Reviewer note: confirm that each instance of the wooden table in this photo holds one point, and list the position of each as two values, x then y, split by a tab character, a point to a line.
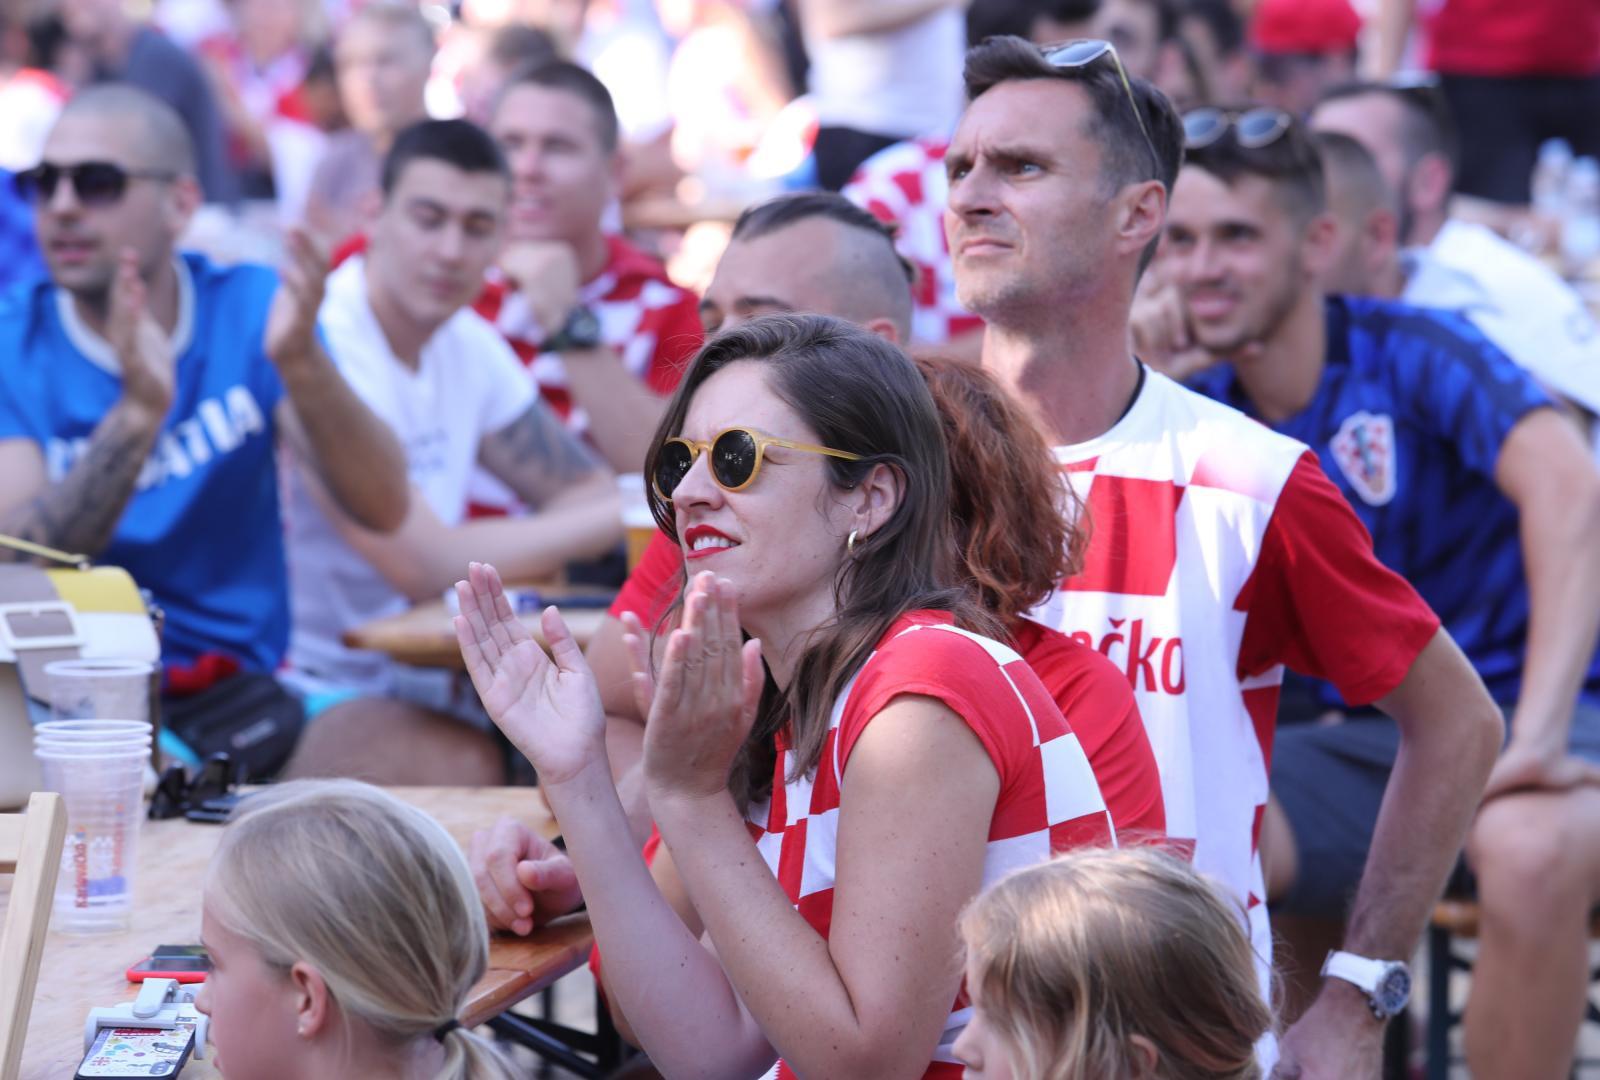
81	972
426	636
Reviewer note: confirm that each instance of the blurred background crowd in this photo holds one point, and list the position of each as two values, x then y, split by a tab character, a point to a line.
291	103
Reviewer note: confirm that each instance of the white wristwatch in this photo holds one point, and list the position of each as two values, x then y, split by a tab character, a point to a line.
1387	983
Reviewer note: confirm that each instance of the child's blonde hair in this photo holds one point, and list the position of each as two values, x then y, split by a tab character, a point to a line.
371	892
1071	958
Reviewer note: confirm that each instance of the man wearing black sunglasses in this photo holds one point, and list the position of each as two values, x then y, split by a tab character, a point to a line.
143	393
1217	545
1483	495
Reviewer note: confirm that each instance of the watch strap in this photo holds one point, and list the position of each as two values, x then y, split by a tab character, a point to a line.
567	338
1359	970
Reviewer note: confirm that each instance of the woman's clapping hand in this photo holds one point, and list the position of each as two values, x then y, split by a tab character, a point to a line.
548	706
706	698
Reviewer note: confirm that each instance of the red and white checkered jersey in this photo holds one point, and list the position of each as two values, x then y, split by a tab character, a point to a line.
1048	800
905	186
652	324
1220	552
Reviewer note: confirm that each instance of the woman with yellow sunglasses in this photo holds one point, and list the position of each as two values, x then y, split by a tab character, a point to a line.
839	752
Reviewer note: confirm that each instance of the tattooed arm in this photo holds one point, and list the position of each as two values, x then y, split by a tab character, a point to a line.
80	512
579	515
545	464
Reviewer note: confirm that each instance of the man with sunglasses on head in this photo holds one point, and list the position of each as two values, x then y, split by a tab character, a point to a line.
1538	319
1220	552
1479	492
143	394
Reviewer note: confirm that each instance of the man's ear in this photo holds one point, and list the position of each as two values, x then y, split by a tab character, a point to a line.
313	1005
1143	213
1428	187
886	329
368	207
1319	245
183	200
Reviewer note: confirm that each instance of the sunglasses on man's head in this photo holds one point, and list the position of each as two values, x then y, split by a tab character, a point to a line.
736	456
1252	128
94	183
1085	51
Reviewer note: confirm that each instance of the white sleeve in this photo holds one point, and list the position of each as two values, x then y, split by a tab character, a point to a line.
506	388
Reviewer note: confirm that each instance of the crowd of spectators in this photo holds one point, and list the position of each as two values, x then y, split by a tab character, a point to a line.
1220	375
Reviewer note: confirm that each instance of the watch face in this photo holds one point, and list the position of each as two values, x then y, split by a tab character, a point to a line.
1393	990
584	327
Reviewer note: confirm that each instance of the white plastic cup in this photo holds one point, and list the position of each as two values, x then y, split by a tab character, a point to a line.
99	689
98	766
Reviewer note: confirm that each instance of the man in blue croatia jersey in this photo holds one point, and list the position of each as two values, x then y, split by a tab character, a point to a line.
1477	490
142	394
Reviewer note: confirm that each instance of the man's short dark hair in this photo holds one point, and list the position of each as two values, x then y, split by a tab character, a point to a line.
518	45
162	136
995	18
1427	126
1357	170
575	80
1290	163
1227	29
459	143
1126	153
786	210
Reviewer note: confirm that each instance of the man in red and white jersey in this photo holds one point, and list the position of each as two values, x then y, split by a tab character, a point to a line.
603	331
1220	552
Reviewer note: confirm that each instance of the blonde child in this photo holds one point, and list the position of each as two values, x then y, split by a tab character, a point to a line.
345	930
1109	964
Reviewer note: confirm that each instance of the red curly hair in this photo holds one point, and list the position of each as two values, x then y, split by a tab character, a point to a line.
1019	528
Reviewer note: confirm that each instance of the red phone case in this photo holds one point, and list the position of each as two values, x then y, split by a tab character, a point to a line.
135	975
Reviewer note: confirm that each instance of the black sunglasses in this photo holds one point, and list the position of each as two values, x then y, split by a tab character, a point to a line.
94	183
1085	51
1253	128
736	456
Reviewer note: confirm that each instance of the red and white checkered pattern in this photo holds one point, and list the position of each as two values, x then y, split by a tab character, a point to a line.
1184	588
905	186
1048	800
652	324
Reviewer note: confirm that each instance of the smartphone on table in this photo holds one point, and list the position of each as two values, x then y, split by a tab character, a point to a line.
186	963
122	1053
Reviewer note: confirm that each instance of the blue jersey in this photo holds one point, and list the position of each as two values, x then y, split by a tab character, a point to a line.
1413	408
202	530
19	251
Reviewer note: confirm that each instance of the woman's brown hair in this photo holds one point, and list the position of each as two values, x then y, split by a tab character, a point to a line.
1072	958
860	394
1019	529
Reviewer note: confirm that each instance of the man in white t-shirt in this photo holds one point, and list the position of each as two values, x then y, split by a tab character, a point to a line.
1220	551
398	326
1532	314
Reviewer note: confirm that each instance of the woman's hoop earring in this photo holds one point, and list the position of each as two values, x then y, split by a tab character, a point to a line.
850	543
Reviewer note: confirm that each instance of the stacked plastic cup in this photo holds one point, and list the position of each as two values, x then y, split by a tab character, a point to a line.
98	766
99	689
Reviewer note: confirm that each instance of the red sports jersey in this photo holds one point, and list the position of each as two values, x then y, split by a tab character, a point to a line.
905	186
1048	801
652	324
1220	554
1090	691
